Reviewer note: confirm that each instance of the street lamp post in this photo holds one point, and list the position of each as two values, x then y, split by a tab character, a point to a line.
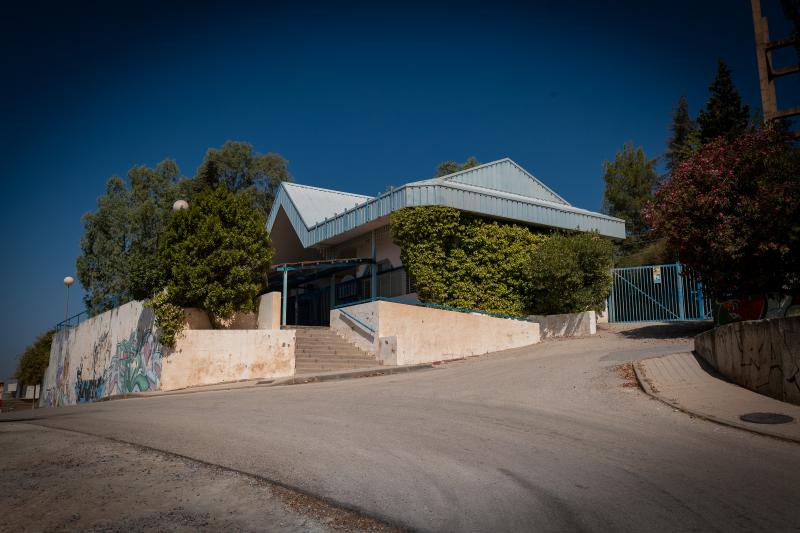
68	281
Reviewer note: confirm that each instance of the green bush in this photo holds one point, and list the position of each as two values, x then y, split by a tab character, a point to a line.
169	317
462	260
216	254
569	274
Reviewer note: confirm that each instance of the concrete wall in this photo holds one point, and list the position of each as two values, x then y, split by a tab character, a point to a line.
269	311
116	352
762	355
567	325
203	357
409	334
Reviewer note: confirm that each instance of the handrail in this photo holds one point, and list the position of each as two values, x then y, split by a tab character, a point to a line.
357	321
65	323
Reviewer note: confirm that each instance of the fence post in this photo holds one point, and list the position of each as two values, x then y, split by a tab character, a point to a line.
701	301
610	300
681	304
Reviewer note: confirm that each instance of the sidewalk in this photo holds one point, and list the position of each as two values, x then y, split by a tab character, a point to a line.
680	381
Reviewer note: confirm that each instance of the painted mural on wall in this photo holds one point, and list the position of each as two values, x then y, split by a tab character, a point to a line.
114	353
757	307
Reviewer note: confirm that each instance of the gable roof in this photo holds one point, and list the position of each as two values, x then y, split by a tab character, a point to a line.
499	189
503	175
315	204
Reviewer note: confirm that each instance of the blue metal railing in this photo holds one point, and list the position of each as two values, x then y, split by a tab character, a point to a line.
72	321
358	321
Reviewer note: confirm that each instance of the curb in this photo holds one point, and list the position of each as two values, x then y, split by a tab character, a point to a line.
319	378
292	380
641	377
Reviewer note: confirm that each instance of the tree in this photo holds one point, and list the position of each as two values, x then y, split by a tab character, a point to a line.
102	267
629	183
569	274
723	114
451	167
118	260
685	138
216	254
732	211
34	360
152	193
240	169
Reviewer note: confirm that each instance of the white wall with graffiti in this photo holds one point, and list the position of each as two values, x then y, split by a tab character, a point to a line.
114	353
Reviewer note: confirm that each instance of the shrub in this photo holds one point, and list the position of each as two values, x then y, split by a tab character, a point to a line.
216	254
569	274
732	211
169	317
462	260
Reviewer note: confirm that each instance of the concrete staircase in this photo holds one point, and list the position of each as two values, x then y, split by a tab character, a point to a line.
319	349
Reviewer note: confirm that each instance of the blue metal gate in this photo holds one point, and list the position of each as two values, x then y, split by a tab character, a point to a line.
657	293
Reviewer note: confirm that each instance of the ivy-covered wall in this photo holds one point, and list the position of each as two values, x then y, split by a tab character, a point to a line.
463	260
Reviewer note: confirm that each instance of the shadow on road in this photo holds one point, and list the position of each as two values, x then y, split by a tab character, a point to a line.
666	330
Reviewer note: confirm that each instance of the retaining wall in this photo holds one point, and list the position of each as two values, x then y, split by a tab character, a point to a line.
409	334
761	355
117	353
204	357
566	325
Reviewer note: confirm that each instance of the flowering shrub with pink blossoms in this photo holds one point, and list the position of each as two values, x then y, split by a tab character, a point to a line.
732	211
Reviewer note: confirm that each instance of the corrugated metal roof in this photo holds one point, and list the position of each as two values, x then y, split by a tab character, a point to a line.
502	175
500	189
315	204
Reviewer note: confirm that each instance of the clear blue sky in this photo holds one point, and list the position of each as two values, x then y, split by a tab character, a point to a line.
356	98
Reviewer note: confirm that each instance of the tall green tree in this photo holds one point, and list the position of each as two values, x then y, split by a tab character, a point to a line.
119	247
240	169
152	193
34	360
451	167
724	114
629	183
684	135
216	254
102	267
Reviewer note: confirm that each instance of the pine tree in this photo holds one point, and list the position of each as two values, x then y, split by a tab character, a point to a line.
630	180
724	113
685	138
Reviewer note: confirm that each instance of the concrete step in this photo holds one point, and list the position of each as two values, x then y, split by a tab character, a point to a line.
329	349
319	349
337	360
322	344
327	368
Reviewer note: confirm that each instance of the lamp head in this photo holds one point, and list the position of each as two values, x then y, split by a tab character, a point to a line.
180	205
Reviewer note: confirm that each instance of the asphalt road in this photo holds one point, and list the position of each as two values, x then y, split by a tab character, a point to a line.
545	438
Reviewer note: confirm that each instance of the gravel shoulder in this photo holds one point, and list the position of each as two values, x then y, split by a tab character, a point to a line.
56	480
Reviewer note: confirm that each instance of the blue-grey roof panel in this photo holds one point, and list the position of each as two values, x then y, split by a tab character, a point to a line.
497	194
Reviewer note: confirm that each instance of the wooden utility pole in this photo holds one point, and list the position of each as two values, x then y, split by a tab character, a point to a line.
766	72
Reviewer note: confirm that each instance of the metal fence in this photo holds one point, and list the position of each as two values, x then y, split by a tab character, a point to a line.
657	293
313	307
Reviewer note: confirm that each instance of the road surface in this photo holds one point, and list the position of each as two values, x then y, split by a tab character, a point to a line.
546	438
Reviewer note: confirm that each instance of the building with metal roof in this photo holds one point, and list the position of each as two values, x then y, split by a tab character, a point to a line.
316	229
